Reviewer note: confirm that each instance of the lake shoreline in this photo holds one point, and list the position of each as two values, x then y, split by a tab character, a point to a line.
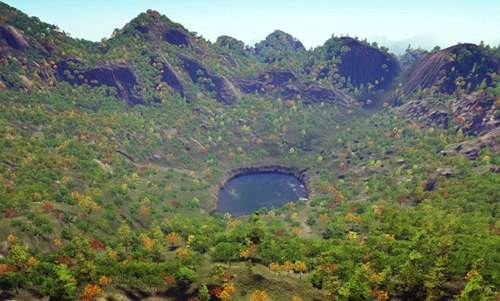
300	174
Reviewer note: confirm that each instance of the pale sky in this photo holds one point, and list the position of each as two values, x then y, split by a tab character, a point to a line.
425	22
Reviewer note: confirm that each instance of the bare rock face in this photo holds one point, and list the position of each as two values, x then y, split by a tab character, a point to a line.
178	37
441	70
364	64
357	62
172	78
114	74
13	37
117	74
225	90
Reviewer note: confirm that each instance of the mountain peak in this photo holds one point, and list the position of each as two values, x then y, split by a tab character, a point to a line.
160	27
280	40
225	41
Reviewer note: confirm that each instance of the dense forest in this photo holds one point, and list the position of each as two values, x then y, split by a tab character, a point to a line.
112	154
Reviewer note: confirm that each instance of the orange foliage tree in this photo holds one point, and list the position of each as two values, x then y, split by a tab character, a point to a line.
90	292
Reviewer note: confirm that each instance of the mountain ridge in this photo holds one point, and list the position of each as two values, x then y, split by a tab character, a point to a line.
341	61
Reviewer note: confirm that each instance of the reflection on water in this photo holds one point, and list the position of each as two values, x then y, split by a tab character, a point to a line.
249	192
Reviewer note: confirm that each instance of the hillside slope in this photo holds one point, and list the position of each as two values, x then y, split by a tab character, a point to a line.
112	155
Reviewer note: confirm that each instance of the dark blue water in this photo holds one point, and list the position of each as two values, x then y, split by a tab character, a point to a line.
247	193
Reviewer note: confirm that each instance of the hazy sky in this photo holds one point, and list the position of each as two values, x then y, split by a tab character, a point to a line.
425	22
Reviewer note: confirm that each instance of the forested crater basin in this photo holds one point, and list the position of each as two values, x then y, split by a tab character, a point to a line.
252	189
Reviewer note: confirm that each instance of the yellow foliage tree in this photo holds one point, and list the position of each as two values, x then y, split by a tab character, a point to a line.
227	291
288	266
274	267
244	253
259	295
300	267
147	242
173	239
182	253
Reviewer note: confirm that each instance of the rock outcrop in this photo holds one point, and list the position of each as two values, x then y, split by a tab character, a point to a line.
474	113
225	91
285	84
12	37
465	64
178	37
418	110
172	78
364	65
316	93
357	62
472	148
116	74
267	81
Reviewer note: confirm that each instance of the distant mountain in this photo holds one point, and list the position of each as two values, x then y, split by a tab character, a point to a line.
426	42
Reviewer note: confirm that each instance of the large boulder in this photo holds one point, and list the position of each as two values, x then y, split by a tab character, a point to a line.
466	64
